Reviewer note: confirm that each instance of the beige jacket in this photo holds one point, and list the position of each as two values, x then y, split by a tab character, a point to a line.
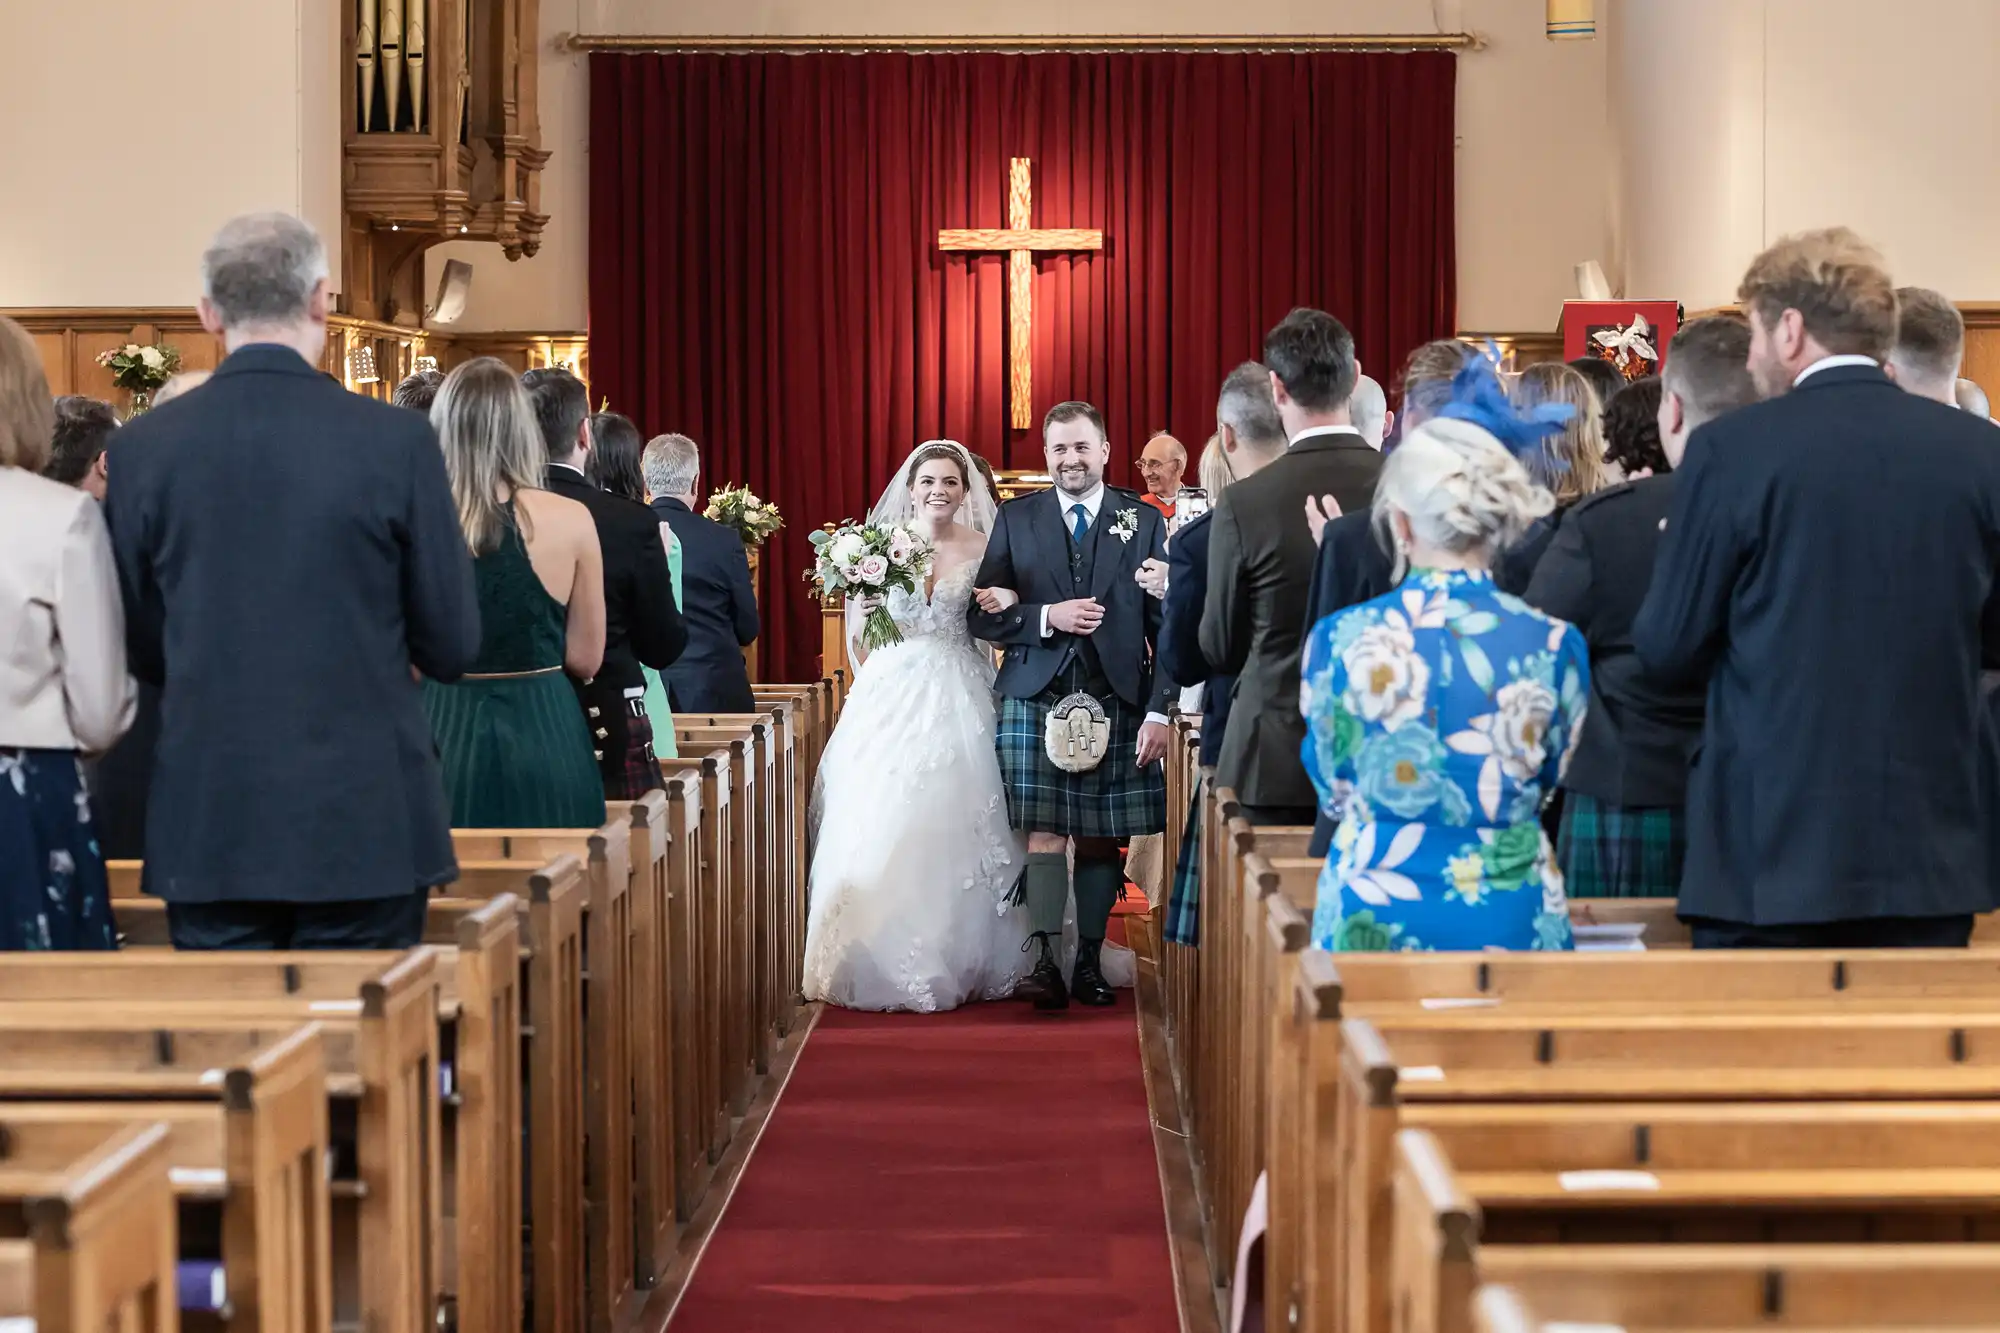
63	684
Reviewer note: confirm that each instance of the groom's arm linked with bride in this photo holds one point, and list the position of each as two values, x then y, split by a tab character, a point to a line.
1042	597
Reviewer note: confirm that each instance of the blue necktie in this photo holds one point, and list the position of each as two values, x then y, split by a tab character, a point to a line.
1082	523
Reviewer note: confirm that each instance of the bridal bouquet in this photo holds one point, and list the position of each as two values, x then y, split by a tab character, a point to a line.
862	560
754	519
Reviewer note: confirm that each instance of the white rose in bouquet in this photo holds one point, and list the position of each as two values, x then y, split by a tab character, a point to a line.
131	349
847	548
151	356
873	569
902	544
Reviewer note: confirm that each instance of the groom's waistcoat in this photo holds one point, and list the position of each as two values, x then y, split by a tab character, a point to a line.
1034	553
1081	652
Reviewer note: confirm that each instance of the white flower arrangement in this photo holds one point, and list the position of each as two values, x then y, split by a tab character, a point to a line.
141	369
869	561
1125	524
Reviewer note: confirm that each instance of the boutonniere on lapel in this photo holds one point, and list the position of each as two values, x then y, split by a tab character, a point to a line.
1125	524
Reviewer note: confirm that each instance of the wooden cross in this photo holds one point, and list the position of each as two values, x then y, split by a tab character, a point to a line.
1020	239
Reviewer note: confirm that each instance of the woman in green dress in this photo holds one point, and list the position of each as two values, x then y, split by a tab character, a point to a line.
515	747
615	452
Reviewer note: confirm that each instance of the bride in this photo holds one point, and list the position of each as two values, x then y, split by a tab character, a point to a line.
914	866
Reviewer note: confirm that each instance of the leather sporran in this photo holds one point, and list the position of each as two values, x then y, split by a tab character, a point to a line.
1077	734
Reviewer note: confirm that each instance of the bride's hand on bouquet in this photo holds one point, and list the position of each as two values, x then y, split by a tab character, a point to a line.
1152	747
873	601
995	600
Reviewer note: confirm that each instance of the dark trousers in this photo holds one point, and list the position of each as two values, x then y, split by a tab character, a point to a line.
1284	816
369	923
1879	932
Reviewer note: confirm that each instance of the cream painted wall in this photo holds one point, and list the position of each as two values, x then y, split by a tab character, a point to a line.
131	138
1535	187
1743	120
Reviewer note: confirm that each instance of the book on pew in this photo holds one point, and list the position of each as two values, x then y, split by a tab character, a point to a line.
1610	937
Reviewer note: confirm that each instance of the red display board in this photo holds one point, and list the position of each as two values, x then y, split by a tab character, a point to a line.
1631	335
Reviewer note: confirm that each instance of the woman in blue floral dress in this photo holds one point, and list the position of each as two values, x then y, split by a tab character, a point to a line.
1441	714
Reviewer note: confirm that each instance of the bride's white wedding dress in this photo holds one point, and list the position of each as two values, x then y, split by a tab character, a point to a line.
914	863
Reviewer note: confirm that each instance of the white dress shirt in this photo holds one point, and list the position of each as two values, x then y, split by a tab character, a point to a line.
1834	363
63	684
1091	502
1311	431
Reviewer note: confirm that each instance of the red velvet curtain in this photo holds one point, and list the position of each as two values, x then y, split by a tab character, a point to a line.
764	273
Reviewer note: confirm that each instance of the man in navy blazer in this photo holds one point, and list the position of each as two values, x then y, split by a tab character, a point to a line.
1829	569
288	551
718	602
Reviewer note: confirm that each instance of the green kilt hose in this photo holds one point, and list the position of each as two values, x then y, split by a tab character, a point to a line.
1620	851
1113	800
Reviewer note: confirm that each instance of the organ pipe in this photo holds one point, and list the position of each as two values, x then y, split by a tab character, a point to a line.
364	60
392	57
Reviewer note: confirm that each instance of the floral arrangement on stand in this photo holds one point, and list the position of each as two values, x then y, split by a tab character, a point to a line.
141	369
864	562
754	520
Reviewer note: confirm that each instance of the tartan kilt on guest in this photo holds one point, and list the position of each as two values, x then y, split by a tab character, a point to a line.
1113	800
1621	851
1183	923
626	761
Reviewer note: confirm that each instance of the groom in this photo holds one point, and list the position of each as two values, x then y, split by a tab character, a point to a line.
1081	625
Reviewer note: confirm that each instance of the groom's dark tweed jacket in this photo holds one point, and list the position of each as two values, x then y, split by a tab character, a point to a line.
1030	552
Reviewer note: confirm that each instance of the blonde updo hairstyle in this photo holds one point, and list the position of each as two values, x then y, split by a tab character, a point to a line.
1460	490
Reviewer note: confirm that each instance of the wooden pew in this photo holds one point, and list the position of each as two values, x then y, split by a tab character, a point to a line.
260	1152
1665	930
1518	1193
1304	1201
1484	1056
65	1039
767	799
733	792
101	1236
480	1020
1644	1288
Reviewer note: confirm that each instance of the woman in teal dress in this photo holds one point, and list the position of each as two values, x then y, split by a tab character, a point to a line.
1441	714
515	747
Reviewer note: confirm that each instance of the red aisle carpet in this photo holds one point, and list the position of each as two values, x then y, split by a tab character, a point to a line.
989	1169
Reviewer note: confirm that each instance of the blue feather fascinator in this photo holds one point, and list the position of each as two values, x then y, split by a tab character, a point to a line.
1478	397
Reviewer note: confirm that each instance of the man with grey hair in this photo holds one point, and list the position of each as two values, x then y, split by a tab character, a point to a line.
717	599
1971	398
1369	409
1294	438
291	559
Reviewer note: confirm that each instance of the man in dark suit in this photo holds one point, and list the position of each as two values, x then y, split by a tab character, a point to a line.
1180	657
287	552
1828	568
720	603
1078	624
641	623
1288	435
1624	828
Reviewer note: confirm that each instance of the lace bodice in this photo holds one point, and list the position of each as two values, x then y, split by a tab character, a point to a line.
943	616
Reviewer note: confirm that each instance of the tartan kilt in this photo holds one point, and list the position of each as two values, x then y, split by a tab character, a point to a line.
1183	923
1621	851
627	763
1113	800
